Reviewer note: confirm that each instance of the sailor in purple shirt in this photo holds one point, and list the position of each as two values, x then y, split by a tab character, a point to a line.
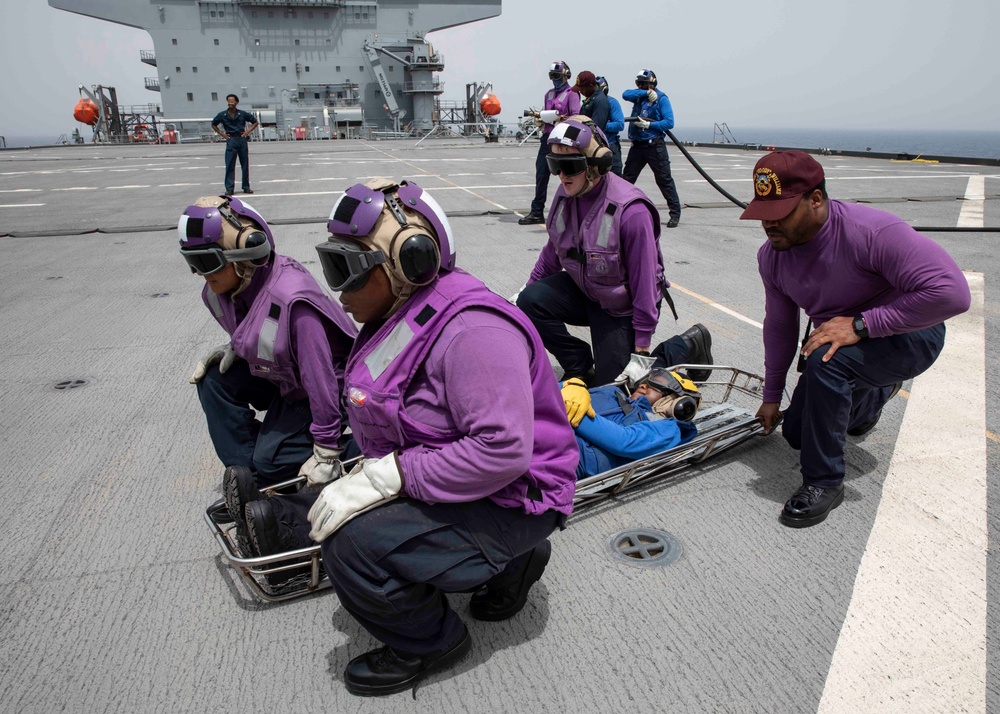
877	294
469	460
602	265
565	100
287	344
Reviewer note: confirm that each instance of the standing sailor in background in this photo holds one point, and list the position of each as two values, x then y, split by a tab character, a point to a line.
287	345
595	102
654	118
234	130
564	100
616	123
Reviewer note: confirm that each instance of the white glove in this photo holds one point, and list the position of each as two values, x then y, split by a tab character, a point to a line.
222	355
322	467
370	483
513	298
652	96
641	123
637	368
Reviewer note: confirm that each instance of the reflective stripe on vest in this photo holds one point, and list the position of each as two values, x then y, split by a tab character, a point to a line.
213	303
389	349
265	341
604	233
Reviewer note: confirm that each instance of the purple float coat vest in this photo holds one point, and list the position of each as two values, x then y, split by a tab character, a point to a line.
262	337
589	247
385	360
562	101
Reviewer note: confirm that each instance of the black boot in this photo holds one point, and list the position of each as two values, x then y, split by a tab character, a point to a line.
505	595
699	344
238	489
810	505
387	671
269	536
531	219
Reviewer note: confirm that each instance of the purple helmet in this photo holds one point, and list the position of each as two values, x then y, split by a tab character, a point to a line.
217	230
407	251
581	133
559	69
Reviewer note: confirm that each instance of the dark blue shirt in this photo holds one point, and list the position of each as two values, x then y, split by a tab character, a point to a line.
233	125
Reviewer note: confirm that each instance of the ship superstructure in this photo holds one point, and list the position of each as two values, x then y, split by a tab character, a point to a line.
301	65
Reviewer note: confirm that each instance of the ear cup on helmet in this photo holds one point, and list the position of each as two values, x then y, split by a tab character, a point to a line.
251	237
602	159
415	255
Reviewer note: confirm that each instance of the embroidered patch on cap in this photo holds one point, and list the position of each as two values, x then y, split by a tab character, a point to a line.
764	181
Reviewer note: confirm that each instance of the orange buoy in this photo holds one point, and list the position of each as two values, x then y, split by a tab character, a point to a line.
85	112
490	105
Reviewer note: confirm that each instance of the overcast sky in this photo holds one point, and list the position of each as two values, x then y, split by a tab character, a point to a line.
774	64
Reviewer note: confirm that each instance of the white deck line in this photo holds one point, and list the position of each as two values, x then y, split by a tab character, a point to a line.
974	205
914	639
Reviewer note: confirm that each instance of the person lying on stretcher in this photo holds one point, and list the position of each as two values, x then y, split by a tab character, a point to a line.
614	429
611	430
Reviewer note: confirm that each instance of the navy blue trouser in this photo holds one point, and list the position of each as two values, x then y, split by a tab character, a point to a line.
393	565
236	148
274	449
671	352
616	155
655	156
541	177
832	397
556	301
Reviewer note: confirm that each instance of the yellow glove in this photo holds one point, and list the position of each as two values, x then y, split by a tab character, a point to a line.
576	397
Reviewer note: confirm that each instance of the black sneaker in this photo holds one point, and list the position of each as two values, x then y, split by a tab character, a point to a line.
673	222
387	671
248	190
810	505
531	219
238	489
862	429
699	344
504	599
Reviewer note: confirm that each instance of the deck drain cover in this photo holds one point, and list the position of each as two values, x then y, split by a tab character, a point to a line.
156	295
70	384
646	547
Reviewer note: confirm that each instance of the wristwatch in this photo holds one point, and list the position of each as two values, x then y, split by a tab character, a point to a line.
860	328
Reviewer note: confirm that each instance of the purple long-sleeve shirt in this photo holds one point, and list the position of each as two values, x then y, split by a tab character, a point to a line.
475	380
319	361
638	243
861	262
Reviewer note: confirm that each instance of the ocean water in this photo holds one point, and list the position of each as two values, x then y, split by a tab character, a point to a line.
969	144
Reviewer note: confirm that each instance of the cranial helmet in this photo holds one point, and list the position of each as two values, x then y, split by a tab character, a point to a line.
581	133
403	228
559	69
603	84
216	230
646	79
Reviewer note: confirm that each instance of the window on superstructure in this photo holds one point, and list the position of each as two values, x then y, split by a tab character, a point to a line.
307	68
177	70
227	70
194	70
284	68
315	95
364	15
361	69
222	13
390	68
296	42
215	96
212	13
338	67
216	41
173	41
190	96
251	69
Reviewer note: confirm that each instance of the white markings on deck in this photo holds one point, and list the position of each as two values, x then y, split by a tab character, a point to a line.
717	306
77	188
974	205
914	638
20	190
20	205
137	185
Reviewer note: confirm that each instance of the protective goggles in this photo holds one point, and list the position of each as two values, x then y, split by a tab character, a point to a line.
568	165
346	265
212	259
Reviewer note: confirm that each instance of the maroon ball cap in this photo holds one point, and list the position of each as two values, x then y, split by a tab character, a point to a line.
779	181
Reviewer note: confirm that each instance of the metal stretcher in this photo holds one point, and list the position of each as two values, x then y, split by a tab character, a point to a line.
727	417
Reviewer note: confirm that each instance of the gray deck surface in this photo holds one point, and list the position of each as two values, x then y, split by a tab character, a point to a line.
113	595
